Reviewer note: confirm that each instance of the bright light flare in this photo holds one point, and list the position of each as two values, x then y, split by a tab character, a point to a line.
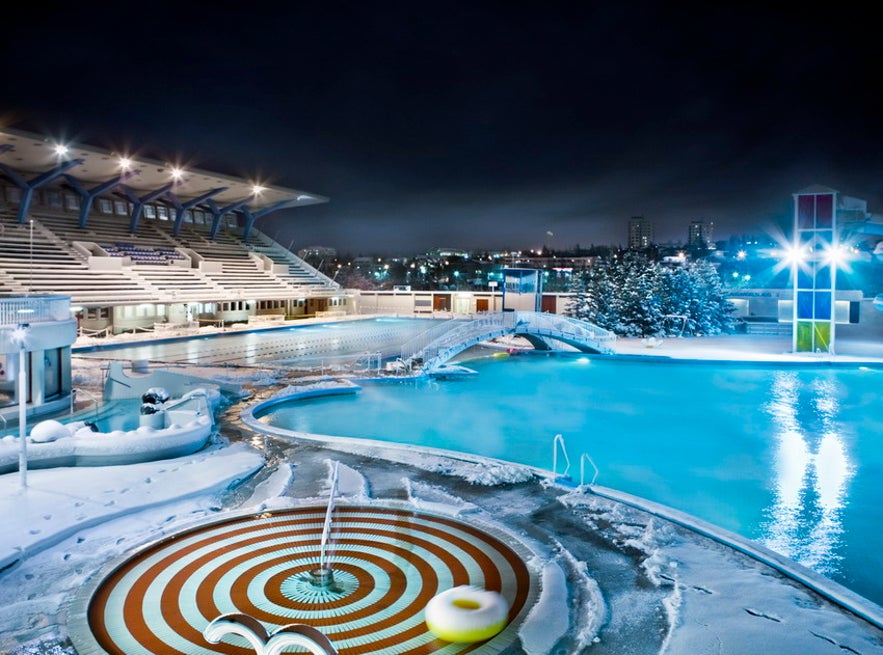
61	150
839	255
794	254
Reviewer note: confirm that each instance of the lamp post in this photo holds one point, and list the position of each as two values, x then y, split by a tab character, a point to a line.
20	335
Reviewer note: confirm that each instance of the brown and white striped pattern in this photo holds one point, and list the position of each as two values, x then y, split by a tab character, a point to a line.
388	562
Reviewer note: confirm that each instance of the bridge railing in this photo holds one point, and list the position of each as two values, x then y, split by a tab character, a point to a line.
419	343
456	335
454	339
565	326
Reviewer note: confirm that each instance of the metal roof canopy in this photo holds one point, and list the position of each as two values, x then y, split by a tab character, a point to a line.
26	152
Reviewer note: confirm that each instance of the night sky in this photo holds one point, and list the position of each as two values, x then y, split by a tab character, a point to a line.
471	124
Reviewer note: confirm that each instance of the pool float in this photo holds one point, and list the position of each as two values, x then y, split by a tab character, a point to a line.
466	614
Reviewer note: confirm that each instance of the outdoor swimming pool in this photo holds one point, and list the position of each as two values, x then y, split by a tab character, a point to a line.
790	456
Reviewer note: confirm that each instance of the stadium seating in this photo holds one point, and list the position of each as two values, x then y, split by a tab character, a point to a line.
104	263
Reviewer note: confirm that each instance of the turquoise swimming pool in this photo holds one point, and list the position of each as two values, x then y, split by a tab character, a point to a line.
790	456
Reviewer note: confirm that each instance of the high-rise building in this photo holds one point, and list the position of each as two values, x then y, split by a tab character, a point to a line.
640	233
701	234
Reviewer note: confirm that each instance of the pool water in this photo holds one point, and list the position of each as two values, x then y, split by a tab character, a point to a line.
789	456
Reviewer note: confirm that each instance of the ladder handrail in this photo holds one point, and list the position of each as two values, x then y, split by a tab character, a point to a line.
559	439
582	470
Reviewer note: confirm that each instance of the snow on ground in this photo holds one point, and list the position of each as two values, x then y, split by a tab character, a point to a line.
548	620
75	518
615	578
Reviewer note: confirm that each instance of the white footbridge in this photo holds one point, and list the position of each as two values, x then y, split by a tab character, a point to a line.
442	342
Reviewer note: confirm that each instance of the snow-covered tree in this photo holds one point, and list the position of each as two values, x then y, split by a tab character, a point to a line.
635	297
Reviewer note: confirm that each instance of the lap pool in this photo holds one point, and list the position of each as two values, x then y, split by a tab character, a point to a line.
788	455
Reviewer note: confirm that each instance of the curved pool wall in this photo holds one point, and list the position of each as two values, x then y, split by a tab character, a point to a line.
251	416
825	587
784	454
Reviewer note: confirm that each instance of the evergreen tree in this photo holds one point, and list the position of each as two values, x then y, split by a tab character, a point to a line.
577	304
636	297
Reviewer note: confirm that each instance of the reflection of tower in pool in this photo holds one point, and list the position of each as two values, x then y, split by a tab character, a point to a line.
812	471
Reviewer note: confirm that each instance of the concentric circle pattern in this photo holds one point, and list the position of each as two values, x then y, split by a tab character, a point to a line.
387	563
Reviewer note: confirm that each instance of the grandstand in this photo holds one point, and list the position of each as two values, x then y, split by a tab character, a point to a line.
140	244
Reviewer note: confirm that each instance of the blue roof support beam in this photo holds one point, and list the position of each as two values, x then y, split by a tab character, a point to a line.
89	195
251	217
217	212
181	207
139	202
29	186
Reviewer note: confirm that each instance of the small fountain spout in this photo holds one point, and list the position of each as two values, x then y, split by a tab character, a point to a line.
322	576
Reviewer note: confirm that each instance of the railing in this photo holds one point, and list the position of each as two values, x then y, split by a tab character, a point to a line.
558	442
86	392
15	310
422	340
451	340
582	470
86	332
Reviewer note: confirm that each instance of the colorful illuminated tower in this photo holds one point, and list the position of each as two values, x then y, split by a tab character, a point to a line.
814	272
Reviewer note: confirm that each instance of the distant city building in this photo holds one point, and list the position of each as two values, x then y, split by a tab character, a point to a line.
640	233
321	252
441	253
701	234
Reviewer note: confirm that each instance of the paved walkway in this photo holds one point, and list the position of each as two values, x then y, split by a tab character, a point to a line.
745	347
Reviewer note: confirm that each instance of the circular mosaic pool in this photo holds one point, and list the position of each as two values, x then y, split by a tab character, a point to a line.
387	564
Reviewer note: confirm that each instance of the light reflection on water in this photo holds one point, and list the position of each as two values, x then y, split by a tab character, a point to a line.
787	456
812	473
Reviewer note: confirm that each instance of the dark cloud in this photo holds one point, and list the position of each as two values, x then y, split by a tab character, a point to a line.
472	124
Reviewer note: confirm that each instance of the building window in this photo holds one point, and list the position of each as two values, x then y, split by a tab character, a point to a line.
13	195
71	202
150	211
105	206
53	199
162	212
119	207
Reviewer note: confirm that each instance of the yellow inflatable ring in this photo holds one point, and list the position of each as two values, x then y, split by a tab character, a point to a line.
466	614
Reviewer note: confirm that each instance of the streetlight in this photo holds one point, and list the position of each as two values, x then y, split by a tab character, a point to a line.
20	334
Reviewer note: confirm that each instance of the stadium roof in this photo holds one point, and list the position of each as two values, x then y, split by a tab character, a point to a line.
28	153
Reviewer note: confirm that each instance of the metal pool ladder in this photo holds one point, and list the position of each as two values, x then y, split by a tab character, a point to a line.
558	444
